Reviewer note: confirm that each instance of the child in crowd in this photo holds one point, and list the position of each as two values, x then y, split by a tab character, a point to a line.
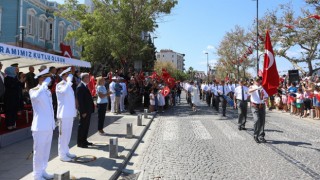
284	98
277	100
152	100
299	102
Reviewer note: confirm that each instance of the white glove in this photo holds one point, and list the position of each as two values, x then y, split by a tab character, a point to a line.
47	81
69	78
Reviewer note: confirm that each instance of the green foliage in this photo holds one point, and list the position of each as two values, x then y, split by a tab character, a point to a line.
113	31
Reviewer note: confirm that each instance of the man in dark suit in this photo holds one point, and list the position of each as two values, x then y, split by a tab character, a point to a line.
85	108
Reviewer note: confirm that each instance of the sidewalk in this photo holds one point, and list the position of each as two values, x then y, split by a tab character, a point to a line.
16	162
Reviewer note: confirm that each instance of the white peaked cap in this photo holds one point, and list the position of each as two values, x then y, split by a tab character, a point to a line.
65	71
43	72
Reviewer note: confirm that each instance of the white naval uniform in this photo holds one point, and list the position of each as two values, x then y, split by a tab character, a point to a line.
65	113
123	95
112	96
42	127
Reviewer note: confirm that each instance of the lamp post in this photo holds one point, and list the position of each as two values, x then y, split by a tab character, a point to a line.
154	37
257	39
207	66
22	28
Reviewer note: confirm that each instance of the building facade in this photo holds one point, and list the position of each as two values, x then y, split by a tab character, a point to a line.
33	25
167	55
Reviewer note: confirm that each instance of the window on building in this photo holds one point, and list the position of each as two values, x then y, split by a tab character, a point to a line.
0	17
42	27
50	29
61	32
31	22
69	42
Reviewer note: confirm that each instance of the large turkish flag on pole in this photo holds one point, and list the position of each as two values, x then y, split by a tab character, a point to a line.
270	77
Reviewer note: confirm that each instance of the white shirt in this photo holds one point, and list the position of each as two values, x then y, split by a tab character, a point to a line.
214	89
124	89
111	88
66	100
152	100
205	88
224	88
255	98
238	92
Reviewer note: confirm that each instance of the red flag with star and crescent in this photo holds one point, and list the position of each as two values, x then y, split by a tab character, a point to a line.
270	77
165	91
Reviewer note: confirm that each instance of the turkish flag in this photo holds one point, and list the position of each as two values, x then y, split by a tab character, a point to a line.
270	77
65	50
165	91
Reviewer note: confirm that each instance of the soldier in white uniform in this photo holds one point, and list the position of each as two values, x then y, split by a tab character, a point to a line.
65	113
43	125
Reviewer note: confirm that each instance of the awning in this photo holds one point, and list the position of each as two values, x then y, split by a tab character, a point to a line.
28	57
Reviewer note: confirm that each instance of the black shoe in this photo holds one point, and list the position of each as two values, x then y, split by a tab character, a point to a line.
224	115
243	128
262	140
82	146
240	128
256	139
89	143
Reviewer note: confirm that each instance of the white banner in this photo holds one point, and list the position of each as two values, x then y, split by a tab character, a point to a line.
42	56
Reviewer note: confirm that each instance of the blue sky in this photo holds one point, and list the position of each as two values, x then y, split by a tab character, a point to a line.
197	26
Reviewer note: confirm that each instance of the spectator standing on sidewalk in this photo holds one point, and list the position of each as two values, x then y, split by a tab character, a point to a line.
31	82
132	93
12	96
258	99
117	93
102	103
65	113
43	125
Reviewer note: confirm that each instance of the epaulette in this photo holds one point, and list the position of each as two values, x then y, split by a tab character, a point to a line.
36	88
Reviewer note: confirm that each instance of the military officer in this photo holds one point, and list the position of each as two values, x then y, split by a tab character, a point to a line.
66	112
43	124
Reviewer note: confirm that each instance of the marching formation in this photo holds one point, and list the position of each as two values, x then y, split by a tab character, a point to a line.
237	95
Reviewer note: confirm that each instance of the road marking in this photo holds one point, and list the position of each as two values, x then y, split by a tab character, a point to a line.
228	131
170	132
199	130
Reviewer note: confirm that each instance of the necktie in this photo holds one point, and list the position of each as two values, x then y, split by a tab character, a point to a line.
259	91
223	89
242	93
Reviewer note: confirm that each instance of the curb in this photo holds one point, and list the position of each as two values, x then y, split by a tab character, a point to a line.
118	172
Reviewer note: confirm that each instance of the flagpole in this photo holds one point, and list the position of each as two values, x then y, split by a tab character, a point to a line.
257	39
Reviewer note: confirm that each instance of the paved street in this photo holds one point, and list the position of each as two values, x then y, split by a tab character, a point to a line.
182	144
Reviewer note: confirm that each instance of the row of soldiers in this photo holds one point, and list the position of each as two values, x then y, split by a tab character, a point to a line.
238	95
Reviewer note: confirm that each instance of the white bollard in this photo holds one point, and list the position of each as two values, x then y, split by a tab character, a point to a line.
113	147
139	120
145	115
63	175
129	130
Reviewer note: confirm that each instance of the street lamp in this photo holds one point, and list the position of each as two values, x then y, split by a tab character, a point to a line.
257	39
207	66
22	28
154	37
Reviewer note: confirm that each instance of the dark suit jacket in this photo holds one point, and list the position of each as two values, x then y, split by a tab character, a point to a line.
84	98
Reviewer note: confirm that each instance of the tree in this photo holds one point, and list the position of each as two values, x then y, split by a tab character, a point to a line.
233	53
115	27
169	67
290	32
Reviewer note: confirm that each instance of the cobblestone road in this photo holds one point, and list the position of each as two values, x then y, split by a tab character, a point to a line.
204	145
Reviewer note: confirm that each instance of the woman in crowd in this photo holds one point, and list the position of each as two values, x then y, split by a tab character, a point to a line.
161	100
284	98
299	102
152	100
11	97
102	103
308	94
292	90
316	102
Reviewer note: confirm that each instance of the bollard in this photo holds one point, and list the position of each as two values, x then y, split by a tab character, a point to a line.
145	113
139	122
312	113
63	175
129	130
113	147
